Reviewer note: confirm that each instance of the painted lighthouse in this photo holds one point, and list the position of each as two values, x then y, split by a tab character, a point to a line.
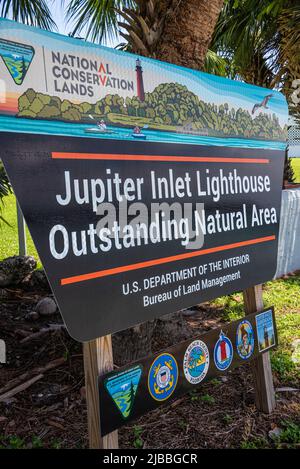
139	80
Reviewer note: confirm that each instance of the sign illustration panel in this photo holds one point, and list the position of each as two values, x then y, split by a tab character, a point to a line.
53	84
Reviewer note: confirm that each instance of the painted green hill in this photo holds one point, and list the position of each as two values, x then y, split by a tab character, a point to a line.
170	106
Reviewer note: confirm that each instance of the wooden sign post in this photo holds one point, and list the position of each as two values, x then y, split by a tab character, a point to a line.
98	359
261	366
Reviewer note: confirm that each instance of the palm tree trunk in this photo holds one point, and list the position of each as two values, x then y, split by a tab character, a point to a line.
187	32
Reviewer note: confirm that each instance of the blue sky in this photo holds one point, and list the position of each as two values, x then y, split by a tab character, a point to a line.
59	13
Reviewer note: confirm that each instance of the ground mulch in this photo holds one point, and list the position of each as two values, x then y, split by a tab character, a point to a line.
52	412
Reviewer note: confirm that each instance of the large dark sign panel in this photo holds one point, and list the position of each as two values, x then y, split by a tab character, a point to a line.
135	389
114	255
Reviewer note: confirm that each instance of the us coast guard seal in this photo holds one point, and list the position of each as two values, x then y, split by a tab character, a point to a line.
163	377
196	362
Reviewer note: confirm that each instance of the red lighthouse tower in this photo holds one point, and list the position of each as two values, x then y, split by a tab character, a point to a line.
139	80
223	347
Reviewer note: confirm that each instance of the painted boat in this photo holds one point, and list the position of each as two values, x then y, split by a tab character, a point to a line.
96	130
139	136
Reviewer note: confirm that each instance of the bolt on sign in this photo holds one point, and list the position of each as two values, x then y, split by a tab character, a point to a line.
147	187
144	385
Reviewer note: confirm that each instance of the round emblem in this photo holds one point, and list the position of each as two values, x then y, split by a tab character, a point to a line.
223	352
245	339
163	377
196	362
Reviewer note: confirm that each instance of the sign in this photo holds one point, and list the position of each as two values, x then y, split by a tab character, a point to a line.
147	187
53	84
193	361
113	264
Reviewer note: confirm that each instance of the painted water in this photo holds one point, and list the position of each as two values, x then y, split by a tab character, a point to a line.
12	124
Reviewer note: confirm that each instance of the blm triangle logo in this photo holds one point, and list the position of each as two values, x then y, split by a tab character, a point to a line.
122	388
17	58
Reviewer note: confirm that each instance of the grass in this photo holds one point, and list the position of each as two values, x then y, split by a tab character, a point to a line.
9	234
288	438
15	442
137	437
296	168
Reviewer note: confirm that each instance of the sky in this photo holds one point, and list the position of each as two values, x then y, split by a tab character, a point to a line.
59	15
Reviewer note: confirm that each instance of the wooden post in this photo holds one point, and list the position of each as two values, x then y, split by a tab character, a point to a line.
21	231
261	366
98	359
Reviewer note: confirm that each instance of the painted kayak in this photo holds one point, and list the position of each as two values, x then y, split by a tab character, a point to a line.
140	136
96	130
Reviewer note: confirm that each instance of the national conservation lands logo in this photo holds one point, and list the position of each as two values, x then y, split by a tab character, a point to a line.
163	377
223	352
245	339
17	58
196	362
83	76
122	388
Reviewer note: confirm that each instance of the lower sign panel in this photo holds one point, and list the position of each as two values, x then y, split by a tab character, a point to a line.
128	231
146	384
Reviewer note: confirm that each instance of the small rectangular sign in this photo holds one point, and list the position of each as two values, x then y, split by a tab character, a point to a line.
139	387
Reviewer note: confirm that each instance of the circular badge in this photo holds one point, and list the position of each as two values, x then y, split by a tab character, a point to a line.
163	377
223	352
245	339
196	362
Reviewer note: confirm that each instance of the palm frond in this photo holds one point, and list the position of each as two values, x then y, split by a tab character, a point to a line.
289	57
248	30
5	189
97	19
215	64
35	13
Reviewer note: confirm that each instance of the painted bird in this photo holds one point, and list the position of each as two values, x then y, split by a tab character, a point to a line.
262	104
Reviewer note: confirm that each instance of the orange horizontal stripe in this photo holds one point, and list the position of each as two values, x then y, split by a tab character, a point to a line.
163	260
116	156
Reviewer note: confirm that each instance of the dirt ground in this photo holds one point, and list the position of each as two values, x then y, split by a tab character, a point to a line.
51	412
